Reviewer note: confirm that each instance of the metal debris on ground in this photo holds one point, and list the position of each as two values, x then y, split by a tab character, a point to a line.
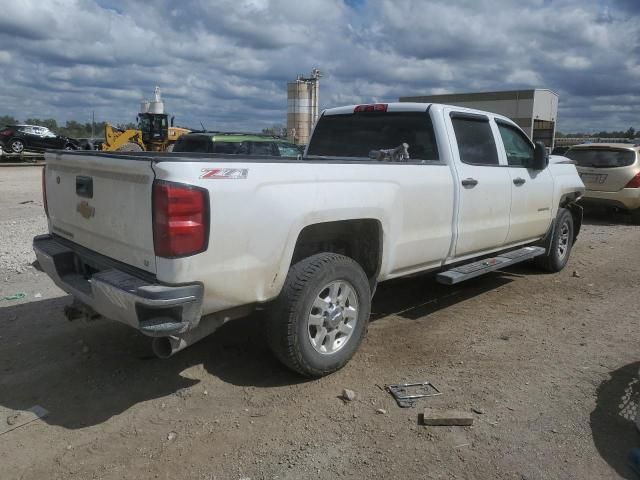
15	419
406	394
17	296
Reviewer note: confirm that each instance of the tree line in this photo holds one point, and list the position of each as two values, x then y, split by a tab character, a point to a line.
631	133
71	128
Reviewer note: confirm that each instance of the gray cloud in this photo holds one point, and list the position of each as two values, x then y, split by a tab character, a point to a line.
226	63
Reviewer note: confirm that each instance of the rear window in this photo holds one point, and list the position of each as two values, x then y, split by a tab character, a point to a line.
601	157
193	144
356	134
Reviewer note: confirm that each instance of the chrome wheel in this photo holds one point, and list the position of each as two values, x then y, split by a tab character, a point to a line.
17	146
333	317
563	240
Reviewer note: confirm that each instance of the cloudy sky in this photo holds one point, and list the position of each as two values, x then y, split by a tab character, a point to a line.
226	62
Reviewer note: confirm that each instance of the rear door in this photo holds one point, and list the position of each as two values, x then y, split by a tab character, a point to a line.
484	185
531	190
606	169
103	203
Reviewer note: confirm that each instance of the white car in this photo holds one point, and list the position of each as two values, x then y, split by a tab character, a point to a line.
176	244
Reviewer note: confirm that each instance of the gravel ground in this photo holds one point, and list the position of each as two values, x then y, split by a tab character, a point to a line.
548	363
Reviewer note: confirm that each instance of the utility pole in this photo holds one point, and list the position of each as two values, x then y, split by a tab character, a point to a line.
93	124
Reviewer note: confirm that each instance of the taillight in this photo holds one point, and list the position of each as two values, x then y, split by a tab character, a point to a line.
180	219
6	133
44	190
634	182
374	107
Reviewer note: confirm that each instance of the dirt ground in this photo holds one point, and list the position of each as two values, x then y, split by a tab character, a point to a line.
550	361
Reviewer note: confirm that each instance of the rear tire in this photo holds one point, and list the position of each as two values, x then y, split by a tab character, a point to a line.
130	147
321	316
16	145
560	245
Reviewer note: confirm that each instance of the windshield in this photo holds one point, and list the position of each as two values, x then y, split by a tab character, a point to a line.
601	157
357	134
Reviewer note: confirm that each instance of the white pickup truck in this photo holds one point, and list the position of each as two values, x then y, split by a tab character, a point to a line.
177	244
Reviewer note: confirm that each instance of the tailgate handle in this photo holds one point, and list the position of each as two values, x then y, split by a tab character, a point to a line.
84	186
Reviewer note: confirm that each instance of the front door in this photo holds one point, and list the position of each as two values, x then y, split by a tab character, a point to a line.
531	190
485	185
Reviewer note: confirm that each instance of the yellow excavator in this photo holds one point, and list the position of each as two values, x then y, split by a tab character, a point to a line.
154	134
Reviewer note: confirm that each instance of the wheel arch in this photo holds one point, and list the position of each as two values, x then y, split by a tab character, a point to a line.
360	239
569	201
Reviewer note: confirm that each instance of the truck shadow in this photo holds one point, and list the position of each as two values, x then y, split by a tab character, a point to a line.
612	420
84	374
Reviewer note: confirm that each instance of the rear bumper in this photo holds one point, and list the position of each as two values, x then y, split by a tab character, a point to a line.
156	310
626	198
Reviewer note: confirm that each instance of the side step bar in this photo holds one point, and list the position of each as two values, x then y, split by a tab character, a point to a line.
475	269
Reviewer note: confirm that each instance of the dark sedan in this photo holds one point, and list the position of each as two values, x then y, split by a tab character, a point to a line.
21	138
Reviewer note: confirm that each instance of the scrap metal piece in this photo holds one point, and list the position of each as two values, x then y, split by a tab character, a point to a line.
406	394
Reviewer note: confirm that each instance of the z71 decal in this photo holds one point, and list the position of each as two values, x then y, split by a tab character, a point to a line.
224	173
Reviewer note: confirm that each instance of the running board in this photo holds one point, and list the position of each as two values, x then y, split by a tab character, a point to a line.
475	269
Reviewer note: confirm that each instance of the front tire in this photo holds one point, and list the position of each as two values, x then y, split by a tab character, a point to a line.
560	245
321	316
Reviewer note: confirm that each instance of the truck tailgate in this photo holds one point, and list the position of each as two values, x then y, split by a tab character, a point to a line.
103	203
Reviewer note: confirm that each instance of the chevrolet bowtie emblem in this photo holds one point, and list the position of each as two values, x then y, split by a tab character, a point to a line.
86	210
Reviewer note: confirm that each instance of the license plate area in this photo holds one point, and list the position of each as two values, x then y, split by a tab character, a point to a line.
594	178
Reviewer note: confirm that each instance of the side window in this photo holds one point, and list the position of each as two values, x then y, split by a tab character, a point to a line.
519	149
286	150
261	148
475	140
232	148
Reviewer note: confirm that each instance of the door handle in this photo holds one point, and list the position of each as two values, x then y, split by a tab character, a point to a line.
519	181
469	182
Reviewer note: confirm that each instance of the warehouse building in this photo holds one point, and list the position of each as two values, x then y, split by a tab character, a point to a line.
535	111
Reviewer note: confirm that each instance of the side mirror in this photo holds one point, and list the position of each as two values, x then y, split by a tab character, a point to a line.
172	119
540	157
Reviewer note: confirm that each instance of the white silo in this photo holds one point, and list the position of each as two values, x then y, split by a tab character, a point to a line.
303	102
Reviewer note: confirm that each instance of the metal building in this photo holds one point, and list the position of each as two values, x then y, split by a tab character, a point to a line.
303	107
535	111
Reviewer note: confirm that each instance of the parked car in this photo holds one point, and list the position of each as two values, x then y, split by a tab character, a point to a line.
236	144
20	138
611	174
176	246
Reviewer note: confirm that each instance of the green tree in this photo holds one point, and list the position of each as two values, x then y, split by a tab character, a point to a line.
7	120
631	133
277	130
50	123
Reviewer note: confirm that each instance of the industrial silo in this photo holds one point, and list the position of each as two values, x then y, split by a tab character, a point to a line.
303	107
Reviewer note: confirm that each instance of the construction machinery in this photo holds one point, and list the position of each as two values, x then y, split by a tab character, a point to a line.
154	133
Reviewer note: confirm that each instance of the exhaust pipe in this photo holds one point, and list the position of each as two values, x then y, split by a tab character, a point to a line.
165	347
